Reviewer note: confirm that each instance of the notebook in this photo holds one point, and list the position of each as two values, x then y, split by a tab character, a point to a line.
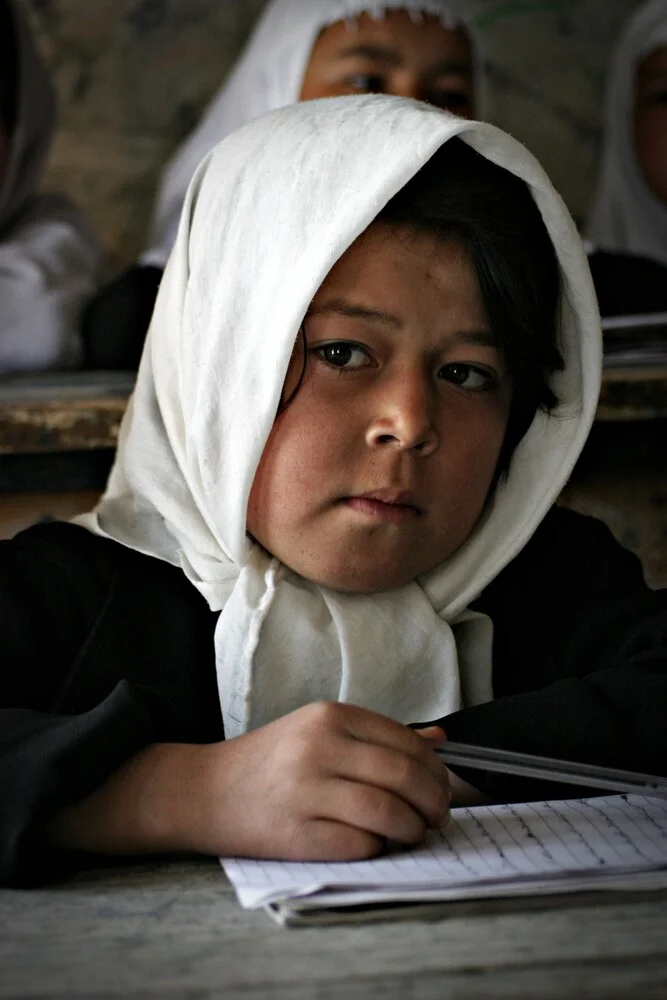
535	848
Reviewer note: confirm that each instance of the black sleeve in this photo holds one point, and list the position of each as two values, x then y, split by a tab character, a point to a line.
91	673
580	660
116	321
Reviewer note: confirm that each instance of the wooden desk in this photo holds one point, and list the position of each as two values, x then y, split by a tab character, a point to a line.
633	394
57	435
62	411
174	930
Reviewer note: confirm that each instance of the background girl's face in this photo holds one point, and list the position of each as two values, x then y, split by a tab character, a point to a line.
379	466
393	55
650	121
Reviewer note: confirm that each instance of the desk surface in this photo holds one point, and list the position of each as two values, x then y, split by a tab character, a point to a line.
174	930
81	411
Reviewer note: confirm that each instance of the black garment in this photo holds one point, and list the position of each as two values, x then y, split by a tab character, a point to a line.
104	651
115	322
627	285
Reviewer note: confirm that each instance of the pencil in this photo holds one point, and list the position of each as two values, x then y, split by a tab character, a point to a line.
551	769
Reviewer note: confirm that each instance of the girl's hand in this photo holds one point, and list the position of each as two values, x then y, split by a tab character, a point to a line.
329	781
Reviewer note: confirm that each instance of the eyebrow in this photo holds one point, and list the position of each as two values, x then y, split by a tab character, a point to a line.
351	310
390	56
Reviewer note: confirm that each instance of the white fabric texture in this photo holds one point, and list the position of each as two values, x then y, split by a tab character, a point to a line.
49	257
266	217
269	75
626	215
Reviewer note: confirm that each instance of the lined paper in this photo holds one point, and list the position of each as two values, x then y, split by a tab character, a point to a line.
486	850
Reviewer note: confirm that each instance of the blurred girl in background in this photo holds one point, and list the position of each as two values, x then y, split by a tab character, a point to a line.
300	50
49	257
628	222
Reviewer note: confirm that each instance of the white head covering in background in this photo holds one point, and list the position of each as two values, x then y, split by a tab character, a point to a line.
49	257
267	215
269	75
627	216
35	124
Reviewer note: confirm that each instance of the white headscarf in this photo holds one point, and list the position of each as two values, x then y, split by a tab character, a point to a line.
49	257
266	217
626	215
269	75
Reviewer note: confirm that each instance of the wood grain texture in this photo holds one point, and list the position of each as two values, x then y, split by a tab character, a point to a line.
63	425
175	930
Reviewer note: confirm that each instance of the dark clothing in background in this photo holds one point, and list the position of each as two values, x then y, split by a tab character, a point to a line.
627	285
104	651
116	321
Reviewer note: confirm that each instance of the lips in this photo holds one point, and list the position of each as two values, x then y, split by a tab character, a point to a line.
395	506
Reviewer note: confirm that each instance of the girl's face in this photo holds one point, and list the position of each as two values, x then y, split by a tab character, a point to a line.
379	466
650	121
394	55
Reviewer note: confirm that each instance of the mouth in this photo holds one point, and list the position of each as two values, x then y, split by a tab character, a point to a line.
392	506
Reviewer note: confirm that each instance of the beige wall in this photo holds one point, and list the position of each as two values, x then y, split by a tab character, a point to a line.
133	76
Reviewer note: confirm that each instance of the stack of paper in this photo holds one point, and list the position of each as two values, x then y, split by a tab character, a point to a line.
607	842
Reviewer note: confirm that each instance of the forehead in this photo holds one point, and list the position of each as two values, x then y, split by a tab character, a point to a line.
407	272
428	39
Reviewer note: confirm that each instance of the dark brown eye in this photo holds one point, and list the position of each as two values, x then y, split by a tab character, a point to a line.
370	83
467	376
337	354
342	354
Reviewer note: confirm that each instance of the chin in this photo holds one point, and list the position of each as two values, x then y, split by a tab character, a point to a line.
364	580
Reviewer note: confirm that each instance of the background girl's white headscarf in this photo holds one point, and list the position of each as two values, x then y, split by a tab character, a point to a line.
49	256
266	217
626	215
269	75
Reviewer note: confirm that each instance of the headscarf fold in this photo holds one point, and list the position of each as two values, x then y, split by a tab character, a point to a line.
267	215
269	75
626	216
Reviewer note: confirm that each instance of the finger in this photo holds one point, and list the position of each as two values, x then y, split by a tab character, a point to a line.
434	735
400	774
331	840
370	727
372	809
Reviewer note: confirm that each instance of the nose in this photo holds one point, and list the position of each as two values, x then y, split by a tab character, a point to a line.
407	85
404	415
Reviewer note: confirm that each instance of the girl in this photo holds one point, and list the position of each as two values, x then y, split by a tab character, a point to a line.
373	362
628	221
300	50
49	258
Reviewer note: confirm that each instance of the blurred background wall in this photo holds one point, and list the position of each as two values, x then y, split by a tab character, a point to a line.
134	75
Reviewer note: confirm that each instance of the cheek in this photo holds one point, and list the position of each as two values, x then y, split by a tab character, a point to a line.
472	453
303	447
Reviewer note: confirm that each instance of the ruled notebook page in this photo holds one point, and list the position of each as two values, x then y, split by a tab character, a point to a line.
486	850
